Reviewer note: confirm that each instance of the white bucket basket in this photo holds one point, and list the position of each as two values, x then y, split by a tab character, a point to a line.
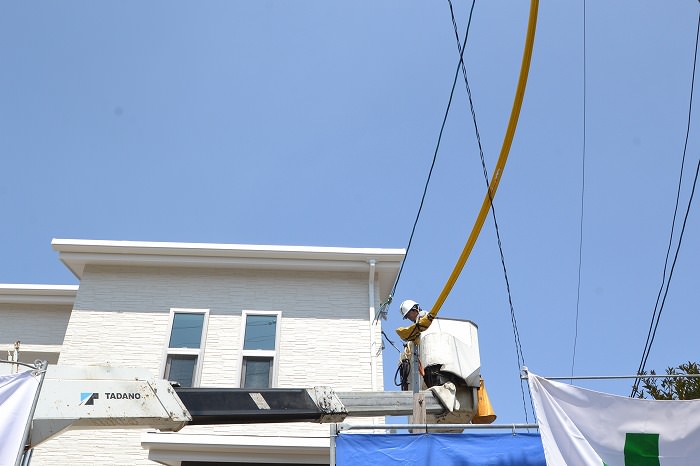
453	345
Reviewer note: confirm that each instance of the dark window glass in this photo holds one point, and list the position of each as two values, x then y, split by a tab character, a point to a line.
256	372
187	330
260	332
180	368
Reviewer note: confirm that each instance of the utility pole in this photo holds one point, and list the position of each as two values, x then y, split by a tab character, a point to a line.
419	412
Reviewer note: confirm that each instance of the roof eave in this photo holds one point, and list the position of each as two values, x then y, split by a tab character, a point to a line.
76	254
38	294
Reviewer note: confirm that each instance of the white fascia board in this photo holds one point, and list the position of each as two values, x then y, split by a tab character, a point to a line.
213	249
37	294
76	254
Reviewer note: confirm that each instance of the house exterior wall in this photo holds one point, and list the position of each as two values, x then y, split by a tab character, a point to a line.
39	328
33	324
121	318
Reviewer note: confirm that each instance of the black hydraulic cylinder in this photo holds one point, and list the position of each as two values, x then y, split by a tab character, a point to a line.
243	406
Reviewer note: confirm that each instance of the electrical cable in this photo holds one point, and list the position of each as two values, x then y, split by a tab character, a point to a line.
500	164
390	342
670	275
404	372
656	315
384	305
502	158
518	346
583	191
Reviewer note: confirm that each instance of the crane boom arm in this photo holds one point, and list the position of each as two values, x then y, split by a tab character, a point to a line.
106	397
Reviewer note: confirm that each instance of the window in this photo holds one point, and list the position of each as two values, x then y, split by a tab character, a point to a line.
183	355
259	352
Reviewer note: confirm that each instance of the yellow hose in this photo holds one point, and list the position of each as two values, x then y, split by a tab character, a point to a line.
496	177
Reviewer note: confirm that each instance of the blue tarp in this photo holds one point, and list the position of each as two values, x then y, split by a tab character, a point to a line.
440	449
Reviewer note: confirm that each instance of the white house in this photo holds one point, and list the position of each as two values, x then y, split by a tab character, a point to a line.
208	315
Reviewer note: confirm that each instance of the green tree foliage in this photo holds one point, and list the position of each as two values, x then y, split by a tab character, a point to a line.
671	388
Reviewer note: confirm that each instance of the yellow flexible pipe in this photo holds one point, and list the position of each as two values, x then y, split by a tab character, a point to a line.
410	333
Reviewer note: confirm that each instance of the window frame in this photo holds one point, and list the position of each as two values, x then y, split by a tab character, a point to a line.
197	352
273	354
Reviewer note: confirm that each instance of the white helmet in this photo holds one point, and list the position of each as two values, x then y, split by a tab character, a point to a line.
407	306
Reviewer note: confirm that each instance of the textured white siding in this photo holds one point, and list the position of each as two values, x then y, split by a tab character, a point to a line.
32	324
121	318
117	447
39	328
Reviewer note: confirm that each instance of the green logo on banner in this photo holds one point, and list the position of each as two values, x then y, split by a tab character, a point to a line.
641	450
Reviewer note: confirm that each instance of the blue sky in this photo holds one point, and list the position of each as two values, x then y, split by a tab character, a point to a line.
314	123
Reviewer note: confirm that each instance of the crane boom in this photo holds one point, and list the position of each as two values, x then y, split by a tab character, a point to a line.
106	397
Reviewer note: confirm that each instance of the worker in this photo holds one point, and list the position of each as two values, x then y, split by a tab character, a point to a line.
411	310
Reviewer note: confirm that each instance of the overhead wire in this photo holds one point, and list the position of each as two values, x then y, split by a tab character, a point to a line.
583	192
384	305
673	266
518	347
390	342
500	164
665	283
502	159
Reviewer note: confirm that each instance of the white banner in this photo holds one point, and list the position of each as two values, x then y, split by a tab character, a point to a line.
17	393
584	427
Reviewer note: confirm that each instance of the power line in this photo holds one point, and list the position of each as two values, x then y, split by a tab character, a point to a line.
390	342
500	163
427	181
670	275
658	308
518	347
583	191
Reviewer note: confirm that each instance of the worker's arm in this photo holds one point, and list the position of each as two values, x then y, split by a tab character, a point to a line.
412	332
